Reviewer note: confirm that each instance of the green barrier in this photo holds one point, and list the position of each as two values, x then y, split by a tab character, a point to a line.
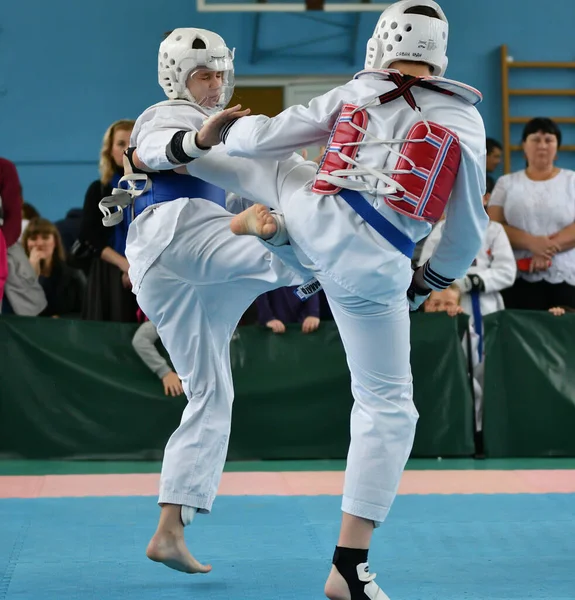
77	389
529	390
441	386
293	397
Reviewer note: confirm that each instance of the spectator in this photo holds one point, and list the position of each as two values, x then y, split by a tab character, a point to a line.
494	155
102	249
492	159
446	300
20	291
537	208
144	343
62	285
281	306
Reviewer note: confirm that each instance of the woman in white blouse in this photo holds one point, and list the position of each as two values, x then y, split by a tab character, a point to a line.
537	208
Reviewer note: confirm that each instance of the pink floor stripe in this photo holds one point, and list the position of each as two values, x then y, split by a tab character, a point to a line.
21	487
294	483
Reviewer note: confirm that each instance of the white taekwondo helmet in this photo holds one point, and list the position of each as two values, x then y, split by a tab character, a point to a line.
411	37
186	50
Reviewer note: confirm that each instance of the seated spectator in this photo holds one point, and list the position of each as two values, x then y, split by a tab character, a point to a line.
281	306
446	300
493	270
537	208
62	285
23	294
144	343
20	292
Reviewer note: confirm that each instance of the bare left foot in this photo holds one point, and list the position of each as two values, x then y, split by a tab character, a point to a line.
256	220
169	548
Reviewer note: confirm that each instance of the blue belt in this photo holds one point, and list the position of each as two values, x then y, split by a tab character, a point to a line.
477	320
171	186
374	218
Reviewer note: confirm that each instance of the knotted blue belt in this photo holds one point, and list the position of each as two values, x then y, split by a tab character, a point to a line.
168	186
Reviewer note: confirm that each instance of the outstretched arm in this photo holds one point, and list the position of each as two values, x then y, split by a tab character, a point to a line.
264	137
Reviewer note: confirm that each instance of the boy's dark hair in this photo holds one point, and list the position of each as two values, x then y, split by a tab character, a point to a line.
491	144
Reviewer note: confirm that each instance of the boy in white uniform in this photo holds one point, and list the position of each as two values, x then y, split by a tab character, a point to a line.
493	270
193	277
401	141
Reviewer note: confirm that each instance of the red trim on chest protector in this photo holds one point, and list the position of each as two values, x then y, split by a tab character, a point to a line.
428	185
342	133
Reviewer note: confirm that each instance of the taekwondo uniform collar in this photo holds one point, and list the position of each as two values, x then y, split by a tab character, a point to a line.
179	102
455	88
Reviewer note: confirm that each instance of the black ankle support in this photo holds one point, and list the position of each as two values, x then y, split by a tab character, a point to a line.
346	561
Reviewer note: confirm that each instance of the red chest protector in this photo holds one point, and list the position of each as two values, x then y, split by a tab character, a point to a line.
342	133
435	152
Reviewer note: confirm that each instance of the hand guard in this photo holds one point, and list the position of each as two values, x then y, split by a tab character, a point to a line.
418	292
471	283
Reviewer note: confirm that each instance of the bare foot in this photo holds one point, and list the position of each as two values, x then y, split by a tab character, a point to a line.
256	220
170	549
336	588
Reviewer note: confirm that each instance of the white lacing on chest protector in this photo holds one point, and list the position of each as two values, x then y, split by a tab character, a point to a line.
340	177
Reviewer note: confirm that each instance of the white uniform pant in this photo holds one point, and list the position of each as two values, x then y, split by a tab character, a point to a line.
195	293
376	339
376	336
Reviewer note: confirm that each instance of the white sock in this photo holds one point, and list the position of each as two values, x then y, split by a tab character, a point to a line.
187	514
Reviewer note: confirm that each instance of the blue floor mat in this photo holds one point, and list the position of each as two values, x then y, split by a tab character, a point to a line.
459	547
